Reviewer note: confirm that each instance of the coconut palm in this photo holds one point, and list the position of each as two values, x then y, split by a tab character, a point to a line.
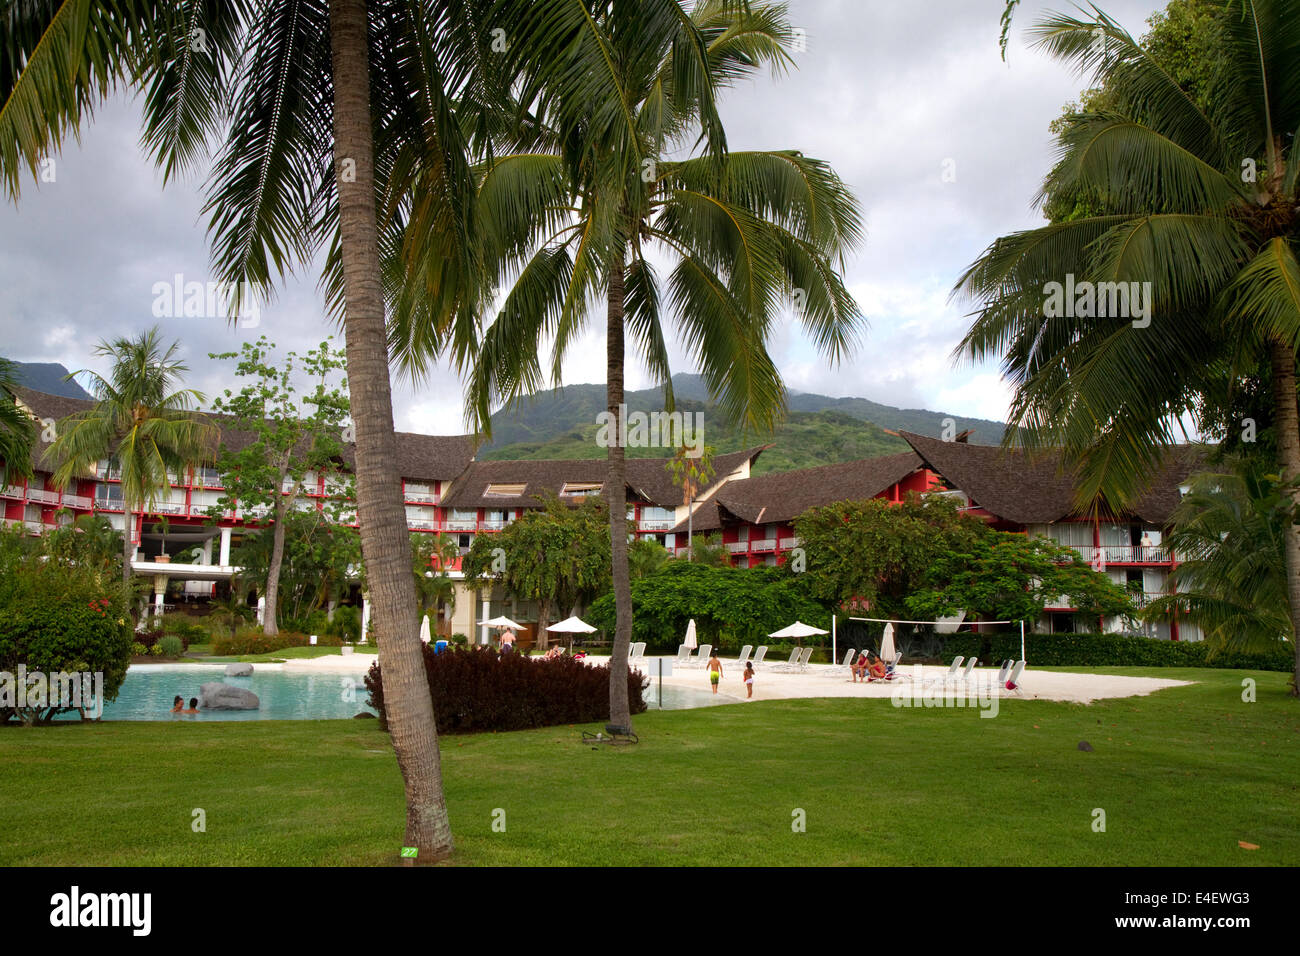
336	127
140	422
1199	202
17	428
1229	532
574	215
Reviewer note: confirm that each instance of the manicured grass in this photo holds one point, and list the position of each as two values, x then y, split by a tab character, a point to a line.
1182	776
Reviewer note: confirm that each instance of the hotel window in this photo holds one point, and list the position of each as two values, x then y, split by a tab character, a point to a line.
504	490
580	489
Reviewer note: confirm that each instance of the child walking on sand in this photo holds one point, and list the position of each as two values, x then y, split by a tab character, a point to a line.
715	670
749	679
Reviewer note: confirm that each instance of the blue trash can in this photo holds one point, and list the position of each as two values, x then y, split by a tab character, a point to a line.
439	647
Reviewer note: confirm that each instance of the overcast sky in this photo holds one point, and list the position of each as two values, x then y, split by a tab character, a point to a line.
887	92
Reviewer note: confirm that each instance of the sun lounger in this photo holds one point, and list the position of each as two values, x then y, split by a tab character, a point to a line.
702	657
970	666
1015	675
792	663
759	655
683	654
744	655
1003	671
951	672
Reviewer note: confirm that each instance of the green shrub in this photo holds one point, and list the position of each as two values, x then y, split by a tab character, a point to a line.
251	640
169	645
138	650
1111	650
346	624
188	630
479	689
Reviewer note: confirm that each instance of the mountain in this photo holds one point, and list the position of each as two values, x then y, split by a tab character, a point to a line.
819	430
48	377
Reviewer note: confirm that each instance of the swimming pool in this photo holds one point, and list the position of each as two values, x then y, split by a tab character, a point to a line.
147	692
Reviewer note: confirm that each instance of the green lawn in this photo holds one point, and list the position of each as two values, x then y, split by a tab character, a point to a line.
1182	775
283	654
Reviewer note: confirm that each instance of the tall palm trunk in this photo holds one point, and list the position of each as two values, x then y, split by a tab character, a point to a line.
272	613
127	550
385	546
620	713
1288	443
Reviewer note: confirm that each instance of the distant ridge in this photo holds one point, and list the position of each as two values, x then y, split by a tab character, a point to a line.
562	423
48	377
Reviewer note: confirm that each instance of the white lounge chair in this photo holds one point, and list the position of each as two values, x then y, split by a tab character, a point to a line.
793	662
638	651
759	655
1003	671
848	658
683	654
952	671
1015	675
970	666
706	650
807	656
744	655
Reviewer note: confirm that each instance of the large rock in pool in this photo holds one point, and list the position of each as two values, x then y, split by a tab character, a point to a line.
219	696
239	670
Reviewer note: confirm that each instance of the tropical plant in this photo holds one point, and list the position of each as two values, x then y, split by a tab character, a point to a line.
90	542
17	428
1229	532
432	556
140	422
645	556
592	187
1197	230
290	438
690	472
317	557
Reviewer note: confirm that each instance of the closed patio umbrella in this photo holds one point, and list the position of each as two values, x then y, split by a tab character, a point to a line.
425	634
887	644
690	641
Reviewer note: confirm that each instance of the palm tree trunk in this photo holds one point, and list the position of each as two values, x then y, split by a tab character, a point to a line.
620	714
271	616
127	550
385	545
1288	444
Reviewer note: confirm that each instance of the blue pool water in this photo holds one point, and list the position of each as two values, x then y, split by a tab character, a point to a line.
147	694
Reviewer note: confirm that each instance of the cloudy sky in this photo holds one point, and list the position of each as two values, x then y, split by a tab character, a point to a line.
889	93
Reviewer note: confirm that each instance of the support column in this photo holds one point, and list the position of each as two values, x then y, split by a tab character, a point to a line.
225	548
487	614
365	618
159	593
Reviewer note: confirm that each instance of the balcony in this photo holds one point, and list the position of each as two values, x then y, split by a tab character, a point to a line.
492	524
168	508
1124	554
460	524
656	524
421	498
104	503
788	543
78	502
737	547
763	545
13	491
417	525
44	497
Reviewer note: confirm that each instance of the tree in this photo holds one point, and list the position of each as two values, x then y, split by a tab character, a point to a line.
1198	226
645	556
432	556
17	429
591	188
690	473
1001	576
89	542
284	440
1229	531
316	557
340	125
557	555
138	421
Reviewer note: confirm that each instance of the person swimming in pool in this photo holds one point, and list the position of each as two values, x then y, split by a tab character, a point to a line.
715	669
194	706
178	704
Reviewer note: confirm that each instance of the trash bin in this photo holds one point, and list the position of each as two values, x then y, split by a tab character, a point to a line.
439	647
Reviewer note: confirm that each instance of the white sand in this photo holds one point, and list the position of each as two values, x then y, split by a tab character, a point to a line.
823	680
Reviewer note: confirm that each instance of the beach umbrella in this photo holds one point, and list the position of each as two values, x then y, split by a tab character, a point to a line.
887	644
505	622
690	641
572	625
799	630
425	634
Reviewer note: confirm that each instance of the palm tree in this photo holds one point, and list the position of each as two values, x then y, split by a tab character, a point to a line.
1197	202
17	428
138	421
339	128
591	187
1229	530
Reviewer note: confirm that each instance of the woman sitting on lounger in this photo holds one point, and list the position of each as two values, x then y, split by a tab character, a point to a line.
859	667
876	668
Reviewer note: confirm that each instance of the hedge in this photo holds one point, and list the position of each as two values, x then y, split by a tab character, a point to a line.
251	640
1112	650
477	689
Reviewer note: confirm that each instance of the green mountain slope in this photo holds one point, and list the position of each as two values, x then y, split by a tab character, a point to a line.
819	430
48	377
